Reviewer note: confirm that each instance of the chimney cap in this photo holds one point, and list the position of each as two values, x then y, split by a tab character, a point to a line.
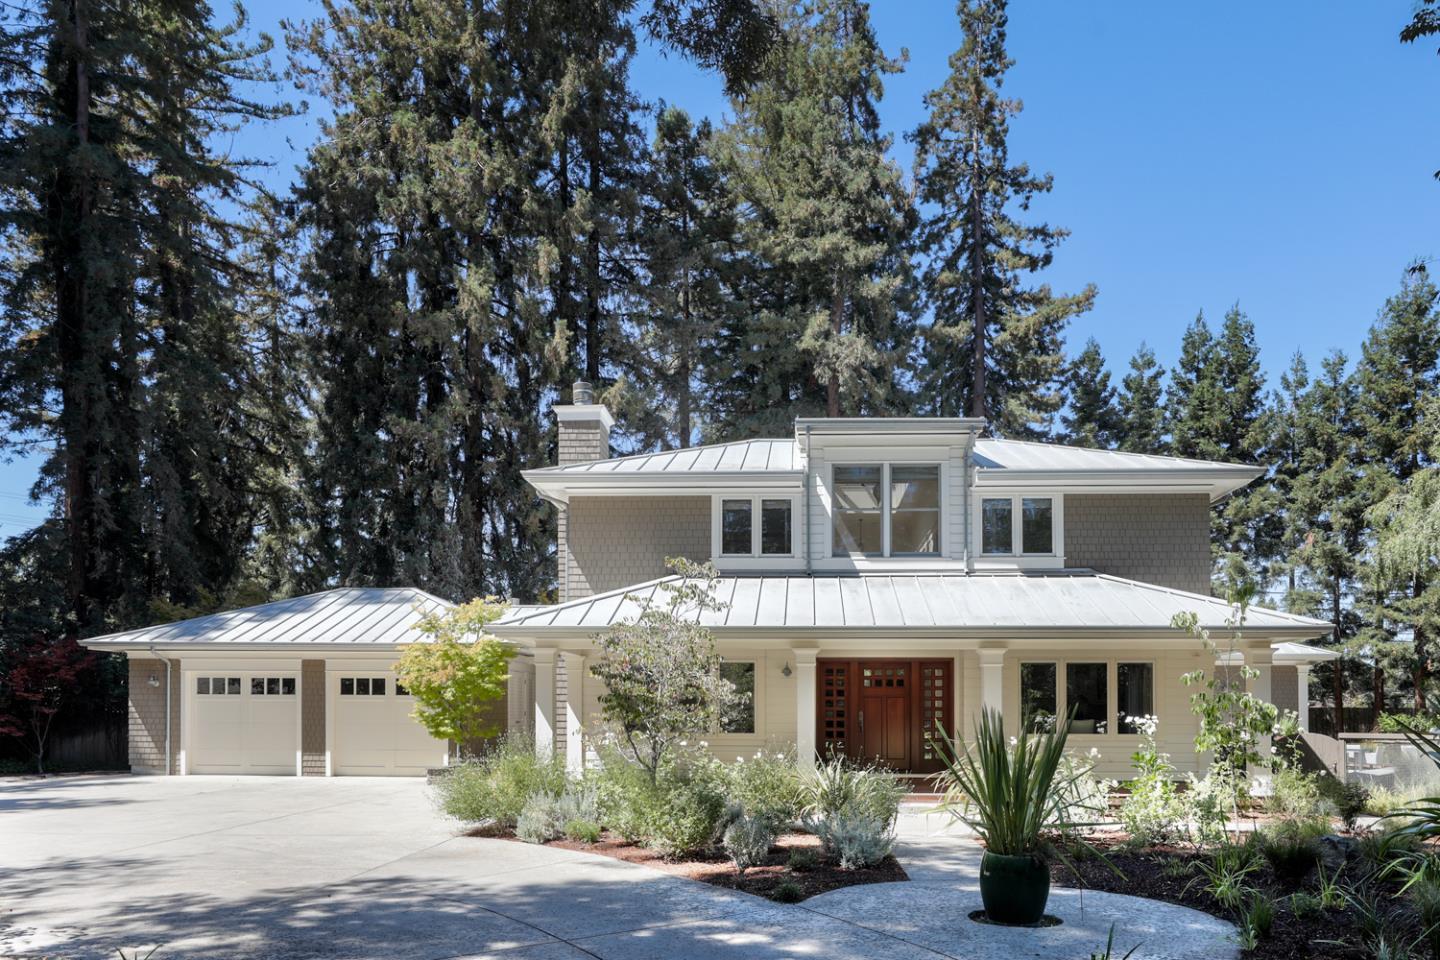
582	391
582	407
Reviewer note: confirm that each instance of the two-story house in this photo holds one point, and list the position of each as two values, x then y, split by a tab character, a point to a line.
886	578
882	579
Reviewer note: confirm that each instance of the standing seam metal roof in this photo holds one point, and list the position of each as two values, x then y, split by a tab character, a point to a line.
371	616
1062	601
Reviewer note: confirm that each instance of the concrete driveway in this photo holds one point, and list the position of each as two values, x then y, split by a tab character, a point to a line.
256	867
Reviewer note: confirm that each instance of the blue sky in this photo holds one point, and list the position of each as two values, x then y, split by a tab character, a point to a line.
1278	155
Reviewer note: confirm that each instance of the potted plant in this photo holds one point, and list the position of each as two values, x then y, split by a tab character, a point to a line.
1009	793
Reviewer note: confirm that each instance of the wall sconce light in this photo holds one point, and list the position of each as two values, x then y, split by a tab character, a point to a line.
154	681
785	671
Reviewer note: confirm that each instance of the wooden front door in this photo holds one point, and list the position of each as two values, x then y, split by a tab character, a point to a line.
883	715
882	711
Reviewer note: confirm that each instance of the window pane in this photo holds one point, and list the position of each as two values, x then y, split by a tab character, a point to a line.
775	527
857	519
257	686
1037	697
735	527
347	686
401	690
741	717
362	686
202	684
1035	525
234	684
217	685
272	686
287	686
915	509
1135	685
377	687
996	535
1087	696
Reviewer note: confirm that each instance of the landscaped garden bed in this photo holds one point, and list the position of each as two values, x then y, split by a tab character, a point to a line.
794	869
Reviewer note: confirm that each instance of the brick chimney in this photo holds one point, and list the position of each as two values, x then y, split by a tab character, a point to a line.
584	426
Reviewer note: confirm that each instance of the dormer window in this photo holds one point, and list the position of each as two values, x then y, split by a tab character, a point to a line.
886	510
756	527
1011	522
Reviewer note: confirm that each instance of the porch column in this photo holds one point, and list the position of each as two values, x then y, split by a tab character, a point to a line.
574	709
1302	695
1260	658
992	678
544	701
804	708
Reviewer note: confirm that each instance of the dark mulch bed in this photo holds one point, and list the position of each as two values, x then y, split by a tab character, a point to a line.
1156	873
762	881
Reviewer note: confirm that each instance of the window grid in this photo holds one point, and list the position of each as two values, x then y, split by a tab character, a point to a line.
884	511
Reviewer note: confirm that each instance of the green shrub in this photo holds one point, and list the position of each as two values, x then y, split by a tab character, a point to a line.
788	892
497	785
1260	915
766	785
855	841
625	796
1209	804
802	859
1295	793
747	841
1348	799
1304	905
1153	812
839	787
1291	849
582	831
685	818
537	822
1225	875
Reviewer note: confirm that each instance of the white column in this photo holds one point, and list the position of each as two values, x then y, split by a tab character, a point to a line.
544	701
574	709
805	717
1302	695
1260	658
992	678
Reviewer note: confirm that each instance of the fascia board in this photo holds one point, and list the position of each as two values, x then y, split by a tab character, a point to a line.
764	633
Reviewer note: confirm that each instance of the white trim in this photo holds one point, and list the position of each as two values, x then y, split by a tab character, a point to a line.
755	560
757	659
584	413
1016	560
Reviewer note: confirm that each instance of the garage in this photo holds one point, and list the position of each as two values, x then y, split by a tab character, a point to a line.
244	722
373	733
297	687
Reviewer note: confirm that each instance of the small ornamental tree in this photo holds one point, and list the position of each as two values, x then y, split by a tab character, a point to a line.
34	689
1233	720
661	672
456	671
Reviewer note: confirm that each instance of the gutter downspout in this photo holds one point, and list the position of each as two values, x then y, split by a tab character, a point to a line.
965	499
168	687
805	508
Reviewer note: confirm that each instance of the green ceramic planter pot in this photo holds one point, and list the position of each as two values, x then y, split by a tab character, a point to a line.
1014	890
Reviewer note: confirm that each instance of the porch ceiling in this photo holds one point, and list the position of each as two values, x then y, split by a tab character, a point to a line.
978	605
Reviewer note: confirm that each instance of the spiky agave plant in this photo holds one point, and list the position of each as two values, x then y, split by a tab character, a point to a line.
1009	793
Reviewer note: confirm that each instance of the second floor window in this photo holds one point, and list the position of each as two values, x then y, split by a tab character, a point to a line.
1026	523
886	510
756	527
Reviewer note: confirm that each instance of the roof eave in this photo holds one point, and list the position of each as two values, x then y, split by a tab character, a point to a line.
1270	633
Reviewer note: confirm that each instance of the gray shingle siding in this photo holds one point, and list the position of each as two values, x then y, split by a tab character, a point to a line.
1155	538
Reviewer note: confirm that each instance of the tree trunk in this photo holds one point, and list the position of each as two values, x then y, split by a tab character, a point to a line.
1422	654
837	312
1377	694
592	293
980	324
1339	675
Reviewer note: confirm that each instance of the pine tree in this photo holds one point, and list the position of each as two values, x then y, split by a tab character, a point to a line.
1091	419
1142	413
994	347
687	223
825	220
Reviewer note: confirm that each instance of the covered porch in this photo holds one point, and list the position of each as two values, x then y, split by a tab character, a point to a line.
871	667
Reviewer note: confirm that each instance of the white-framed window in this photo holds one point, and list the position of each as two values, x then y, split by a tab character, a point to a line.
740	719
272	686
755	526
886	510
1019	525
1051	689
217	686
362	686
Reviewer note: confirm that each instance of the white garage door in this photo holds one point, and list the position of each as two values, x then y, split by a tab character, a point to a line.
244	723
374	733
